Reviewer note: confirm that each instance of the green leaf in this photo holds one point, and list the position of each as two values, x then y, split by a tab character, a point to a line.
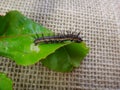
58	61
1	19
5	82
16	40
67	57
77	52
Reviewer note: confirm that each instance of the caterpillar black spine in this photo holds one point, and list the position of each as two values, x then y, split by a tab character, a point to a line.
58	38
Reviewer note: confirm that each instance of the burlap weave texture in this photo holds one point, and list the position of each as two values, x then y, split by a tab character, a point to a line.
99	21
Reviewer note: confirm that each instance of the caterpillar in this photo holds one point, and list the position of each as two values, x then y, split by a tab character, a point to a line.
58	38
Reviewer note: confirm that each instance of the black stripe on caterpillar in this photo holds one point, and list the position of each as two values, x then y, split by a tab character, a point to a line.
58	38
